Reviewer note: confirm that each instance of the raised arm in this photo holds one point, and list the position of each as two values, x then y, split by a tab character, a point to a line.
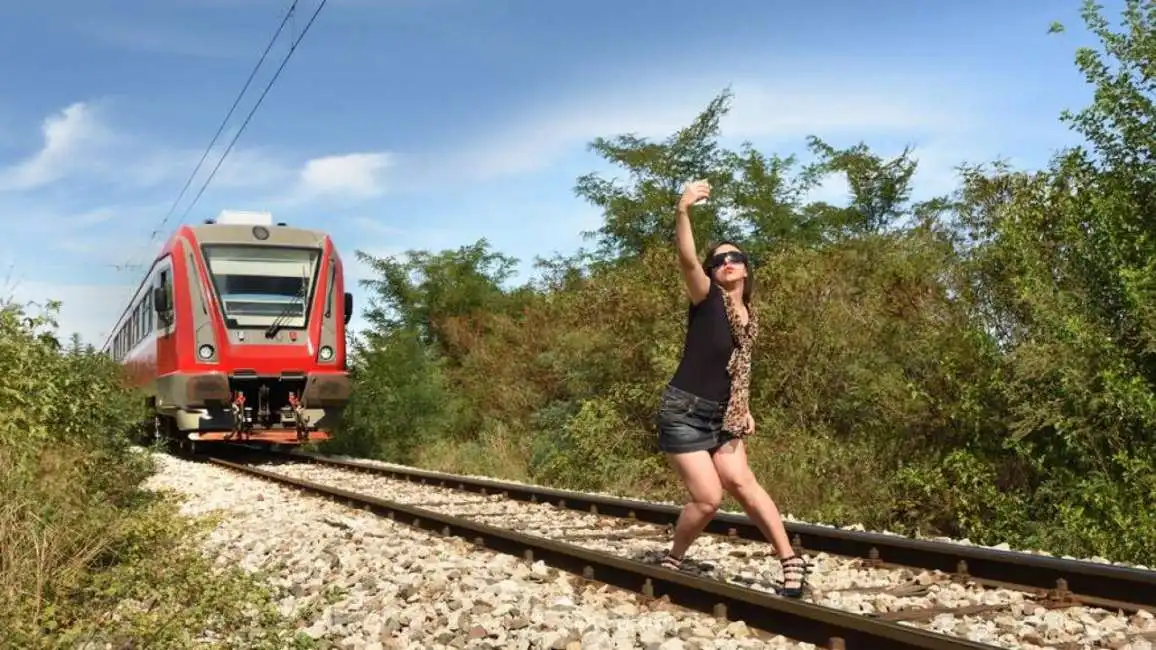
697	283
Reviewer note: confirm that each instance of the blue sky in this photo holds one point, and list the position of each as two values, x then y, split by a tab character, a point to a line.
404	124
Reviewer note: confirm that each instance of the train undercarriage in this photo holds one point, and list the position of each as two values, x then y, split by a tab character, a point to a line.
263	406
276	410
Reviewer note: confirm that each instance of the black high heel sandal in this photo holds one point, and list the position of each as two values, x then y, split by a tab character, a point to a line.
683	564
795	571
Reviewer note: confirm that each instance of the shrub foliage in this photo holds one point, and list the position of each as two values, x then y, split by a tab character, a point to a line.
88	556
980	365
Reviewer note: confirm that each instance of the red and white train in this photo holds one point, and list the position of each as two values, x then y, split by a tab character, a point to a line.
237	333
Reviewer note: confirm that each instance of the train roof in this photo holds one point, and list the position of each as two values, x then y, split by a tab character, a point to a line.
257	235
256	228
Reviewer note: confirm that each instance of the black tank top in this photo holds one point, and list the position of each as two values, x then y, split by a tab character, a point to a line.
708	346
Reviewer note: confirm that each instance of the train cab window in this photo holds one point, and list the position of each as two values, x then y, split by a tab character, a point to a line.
258	286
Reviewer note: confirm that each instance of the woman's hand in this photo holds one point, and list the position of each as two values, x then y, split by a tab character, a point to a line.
750	424
693	193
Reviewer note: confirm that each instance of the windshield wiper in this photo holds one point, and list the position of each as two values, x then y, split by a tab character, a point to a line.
298	298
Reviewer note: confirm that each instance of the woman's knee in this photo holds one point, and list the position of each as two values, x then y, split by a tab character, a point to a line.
739	482
707	496
708	503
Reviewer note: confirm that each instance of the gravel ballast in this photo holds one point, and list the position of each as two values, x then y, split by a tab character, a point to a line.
837	582
361	581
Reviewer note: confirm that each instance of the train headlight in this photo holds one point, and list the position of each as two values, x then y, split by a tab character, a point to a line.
326	353
205	352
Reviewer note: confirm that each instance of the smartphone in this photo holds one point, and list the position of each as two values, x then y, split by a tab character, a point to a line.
701	201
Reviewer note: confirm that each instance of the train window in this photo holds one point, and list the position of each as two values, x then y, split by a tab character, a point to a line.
148	311
166	282
258	286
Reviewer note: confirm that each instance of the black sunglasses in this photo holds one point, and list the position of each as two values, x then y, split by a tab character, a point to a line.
733	257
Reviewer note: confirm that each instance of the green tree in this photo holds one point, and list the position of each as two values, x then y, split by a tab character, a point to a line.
880	189
637	216
1065	266
978	365
420	290
401	400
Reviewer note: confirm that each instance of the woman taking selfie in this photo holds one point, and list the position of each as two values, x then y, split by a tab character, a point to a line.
704	414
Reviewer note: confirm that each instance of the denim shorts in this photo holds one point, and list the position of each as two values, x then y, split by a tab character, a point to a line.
689	423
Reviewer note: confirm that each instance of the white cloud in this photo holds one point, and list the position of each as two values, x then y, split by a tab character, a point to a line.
67	135
82	146
539	135
85	157
357	175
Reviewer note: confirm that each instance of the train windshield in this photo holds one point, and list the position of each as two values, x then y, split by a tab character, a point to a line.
261	285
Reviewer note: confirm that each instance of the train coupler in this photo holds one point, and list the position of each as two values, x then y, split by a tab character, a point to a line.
300	418
241	421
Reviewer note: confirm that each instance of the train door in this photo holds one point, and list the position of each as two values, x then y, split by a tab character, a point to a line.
165	322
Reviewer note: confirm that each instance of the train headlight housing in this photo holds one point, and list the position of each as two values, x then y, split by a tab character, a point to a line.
205	352
326	353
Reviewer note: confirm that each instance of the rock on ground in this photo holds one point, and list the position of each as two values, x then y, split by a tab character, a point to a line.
363	582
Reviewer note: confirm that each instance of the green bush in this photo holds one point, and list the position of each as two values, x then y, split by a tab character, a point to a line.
980	365
88	555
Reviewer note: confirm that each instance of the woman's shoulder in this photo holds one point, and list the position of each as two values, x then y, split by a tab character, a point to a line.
712	293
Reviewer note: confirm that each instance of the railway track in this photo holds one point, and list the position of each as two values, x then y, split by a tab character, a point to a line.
1063	581
802	621
900	579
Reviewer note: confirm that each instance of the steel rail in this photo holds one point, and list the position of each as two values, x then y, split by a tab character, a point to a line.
823	626
1089	583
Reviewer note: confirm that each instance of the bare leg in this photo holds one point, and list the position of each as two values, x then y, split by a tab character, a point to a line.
702	481
736	477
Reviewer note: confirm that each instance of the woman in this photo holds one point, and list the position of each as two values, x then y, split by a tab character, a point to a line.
704	415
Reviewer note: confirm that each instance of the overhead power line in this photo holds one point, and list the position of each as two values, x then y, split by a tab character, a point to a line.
221	127
288	55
